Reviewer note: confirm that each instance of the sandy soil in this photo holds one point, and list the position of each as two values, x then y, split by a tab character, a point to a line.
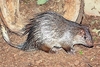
83	57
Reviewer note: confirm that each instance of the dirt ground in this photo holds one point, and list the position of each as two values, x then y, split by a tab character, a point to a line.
83	57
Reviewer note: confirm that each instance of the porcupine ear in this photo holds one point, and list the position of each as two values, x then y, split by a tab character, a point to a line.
81	32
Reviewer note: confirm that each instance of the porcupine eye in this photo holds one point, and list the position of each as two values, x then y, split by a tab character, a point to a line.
85	37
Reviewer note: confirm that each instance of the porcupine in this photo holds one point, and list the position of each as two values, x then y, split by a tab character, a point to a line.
50	30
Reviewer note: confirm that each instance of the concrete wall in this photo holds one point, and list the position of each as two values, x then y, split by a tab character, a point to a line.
92	7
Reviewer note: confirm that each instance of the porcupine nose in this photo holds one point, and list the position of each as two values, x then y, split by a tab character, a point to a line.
90	44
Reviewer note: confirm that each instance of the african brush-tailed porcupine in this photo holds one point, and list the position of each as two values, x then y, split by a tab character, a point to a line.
49	30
